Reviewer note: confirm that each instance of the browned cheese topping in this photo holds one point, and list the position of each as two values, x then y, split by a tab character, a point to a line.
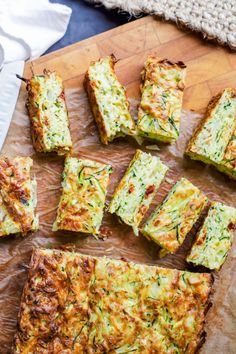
74	303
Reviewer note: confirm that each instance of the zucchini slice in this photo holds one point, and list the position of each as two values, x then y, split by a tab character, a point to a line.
215	237
162	89
137	188
108	101
214	141
84	189
174	218
48	113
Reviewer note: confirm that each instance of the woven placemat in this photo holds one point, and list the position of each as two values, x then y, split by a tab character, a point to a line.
215	19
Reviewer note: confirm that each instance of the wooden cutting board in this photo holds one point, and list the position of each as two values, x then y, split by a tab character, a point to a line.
210	67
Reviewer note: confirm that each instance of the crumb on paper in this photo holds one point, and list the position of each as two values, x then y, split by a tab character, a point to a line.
162	253
153	147
136	230
169	180
104	233
138	139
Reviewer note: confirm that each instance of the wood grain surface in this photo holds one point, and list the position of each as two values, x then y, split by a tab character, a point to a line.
210	67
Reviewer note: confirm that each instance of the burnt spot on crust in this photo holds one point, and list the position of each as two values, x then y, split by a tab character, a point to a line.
232	226
149	190
170	63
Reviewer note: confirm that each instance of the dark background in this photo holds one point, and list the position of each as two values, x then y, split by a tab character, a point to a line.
87	20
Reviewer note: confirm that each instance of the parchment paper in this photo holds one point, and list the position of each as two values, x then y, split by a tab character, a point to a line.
15	252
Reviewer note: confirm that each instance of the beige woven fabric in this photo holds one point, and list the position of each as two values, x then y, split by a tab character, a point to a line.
216	19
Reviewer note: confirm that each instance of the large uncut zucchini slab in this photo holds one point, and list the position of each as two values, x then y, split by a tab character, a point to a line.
173	219
74	303
162	94
18	196
84	189
214	141
137	188
108	100
48	113
215	237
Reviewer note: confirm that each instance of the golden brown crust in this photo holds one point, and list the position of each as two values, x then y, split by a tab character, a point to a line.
76	303
37	127
162	85
89	88
46	322
173	219
211	105
15	192
162	62
83	196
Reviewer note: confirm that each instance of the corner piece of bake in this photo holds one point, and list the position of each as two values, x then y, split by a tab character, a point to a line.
137	188
18	196
162	89
82	304
48	113
108	101
215	237
174	218
84	189
214	141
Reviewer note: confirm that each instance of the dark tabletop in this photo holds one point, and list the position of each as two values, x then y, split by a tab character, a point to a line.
88	20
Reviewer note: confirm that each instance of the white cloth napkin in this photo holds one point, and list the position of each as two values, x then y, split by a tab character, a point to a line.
27	29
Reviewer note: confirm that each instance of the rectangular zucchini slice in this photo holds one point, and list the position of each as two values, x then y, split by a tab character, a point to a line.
228	164
77	303
108	100
137	188
48	113
84	189
214	239
162	88
214	141
18	196
174	218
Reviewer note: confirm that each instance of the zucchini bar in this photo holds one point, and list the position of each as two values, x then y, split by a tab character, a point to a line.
74	303
174	218
108	100
228	164
215	237
162	88
214	141
137	188
84	189
48	113
18	196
